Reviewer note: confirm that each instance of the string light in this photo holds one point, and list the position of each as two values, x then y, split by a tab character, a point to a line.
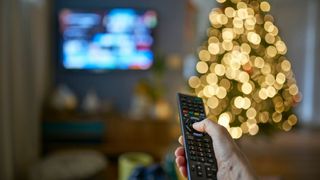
244	76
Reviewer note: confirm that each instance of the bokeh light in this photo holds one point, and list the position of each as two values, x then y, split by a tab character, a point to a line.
244	76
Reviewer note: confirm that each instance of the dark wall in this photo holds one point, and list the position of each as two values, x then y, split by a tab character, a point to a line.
117	86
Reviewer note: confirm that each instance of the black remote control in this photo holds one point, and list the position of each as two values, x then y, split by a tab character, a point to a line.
201	161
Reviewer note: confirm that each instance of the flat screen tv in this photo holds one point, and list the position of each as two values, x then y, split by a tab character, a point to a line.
106	39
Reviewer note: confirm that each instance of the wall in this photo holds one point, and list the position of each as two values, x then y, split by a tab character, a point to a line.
117	86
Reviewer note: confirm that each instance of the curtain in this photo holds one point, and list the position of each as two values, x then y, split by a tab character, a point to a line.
23	81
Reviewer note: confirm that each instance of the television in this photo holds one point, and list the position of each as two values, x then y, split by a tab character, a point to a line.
106	39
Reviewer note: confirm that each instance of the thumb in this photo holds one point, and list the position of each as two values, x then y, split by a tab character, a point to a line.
213	129
205	125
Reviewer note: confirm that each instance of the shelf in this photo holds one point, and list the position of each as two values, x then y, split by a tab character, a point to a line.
122	135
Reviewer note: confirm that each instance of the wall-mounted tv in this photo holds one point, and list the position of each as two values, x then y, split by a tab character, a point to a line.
106	39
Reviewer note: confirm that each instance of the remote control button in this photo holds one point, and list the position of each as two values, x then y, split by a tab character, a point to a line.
201	159
210	161
199	168
193	167
199	173
201	154
189	137
193	153
194	119
193	158
192	148
197	134
200	149
210	169
209	155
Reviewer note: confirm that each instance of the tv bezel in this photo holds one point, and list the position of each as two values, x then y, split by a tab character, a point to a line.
58	39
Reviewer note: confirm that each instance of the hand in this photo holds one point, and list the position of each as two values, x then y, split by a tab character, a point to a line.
232	164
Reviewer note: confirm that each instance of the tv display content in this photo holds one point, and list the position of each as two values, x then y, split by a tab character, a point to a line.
118	38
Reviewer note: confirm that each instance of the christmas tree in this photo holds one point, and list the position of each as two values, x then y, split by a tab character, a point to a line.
244	76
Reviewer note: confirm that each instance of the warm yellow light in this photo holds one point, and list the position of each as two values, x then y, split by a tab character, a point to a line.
268	26
281	47
275	31
221	92
271	91
230	12
251	121
235	1
293	89
220	69
276	117
202	67
259	62
212	78
214	48
239	30
279	107
227	34
204	55
225	83
265	6
247	103
239	102
270	79
271	51
236	132
213	102
244	127
264	117
221	1
237	22
246	88
270	38
281	78
263	94
286	65
224	120
266	69
253	129
254	38
251	21
209	91
251	113
227	45
213	39
241	5
292	120
286	126
242	13
245	48
194	82
244	77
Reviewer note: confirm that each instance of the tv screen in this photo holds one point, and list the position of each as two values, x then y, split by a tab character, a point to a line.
118	38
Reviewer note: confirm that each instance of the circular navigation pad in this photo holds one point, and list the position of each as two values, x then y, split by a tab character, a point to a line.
189	123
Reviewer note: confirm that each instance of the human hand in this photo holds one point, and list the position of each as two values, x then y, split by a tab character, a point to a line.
232	164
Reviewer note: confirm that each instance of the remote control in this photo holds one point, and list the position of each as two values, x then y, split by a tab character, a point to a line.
201	161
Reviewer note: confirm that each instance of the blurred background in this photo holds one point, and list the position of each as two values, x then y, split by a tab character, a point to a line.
66	114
